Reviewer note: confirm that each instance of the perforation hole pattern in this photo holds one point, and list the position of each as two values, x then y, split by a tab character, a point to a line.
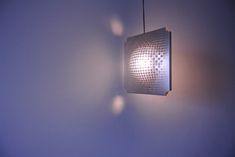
146	64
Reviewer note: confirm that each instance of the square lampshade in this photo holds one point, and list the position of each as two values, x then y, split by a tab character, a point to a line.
147	63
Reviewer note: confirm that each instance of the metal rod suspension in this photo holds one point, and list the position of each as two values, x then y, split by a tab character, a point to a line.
143	15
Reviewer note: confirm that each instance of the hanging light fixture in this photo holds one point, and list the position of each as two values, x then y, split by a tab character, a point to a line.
147	64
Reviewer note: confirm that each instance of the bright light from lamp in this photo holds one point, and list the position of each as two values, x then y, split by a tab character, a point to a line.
148	63
140	61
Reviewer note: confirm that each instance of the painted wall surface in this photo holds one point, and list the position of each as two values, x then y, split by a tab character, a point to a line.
61	90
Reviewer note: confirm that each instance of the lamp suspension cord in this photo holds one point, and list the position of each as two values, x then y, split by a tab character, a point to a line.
143	16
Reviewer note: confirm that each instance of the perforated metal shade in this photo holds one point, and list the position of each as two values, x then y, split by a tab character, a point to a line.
147	64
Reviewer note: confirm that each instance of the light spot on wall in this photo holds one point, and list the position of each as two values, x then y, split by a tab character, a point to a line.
118	104
116	26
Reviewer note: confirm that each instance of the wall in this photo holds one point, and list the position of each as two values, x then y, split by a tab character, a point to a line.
61	90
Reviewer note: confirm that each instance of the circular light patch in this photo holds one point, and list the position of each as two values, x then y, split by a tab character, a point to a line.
145	64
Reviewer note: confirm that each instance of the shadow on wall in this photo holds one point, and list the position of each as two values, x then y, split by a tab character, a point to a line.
204	76
218	75
3	153
231	5
3	4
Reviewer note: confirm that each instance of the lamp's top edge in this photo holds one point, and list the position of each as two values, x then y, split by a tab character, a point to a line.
163	29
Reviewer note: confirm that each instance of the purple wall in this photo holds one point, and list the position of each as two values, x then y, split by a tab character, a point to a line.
61	88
